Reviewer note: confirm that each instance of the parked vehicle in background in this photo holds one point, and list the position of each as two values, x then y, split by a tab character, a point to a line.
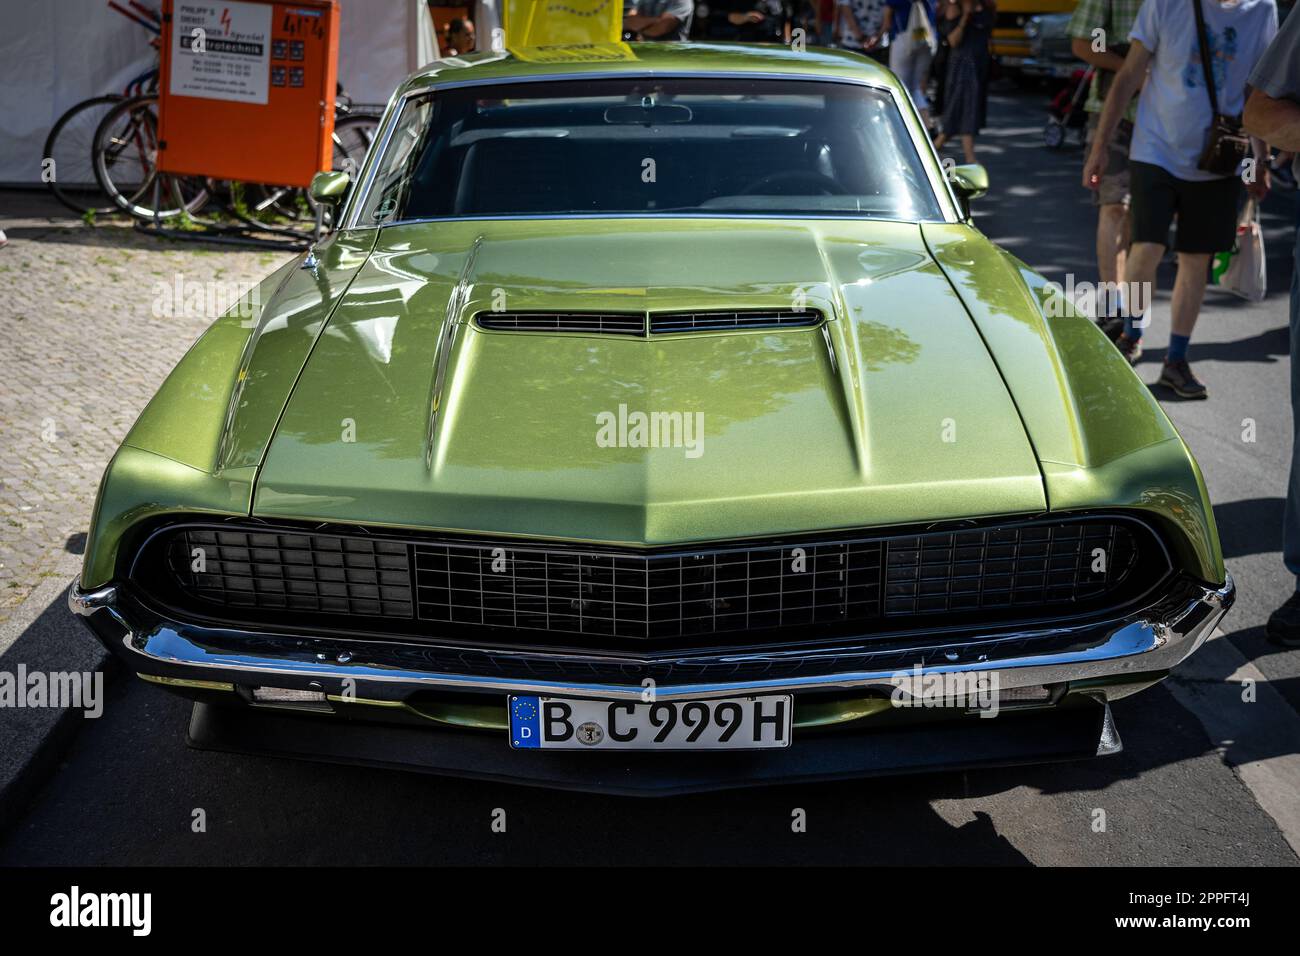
1049	47
1012	46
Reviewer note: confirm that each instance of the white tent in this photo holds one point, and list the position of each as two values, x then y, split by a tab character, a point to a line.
54	53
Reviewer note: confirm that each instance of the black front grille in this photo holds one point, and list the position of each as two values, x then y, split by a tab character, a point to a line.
1033	566
649	596
437	587
354	575
604	323
667	322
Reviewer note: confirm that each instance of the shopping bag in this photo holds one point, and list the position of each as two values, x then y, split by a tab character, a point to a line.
1243	270
919	28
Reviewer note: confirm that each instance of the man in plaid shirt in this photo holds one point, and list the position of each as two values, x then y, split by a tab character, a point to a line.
1099	36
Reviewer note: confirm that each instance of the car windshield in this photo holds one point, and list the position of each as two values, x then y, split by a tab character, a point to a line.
647	147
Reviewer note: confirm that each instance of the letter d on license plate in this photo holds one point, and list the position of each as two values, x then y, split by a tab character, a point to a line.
736	723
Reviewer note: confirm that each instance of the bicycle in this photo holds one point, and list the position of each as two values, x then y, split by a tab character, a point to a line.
67	155
124	160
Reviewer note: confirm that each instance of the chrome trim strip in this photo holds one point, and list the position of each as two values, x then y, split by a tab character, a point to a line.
939	184
1133	646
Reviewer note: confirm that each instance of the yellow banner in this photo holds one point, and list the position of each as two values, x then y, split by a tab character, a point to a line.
581	53
534	23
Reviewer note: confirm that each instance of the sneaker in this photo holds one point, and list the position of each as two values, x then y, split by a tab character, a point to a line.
1111	326
1131	349
1177	375
1283	625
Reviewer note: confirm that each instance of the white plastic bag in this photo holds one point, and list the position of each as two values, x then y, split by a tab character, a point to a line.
1243	270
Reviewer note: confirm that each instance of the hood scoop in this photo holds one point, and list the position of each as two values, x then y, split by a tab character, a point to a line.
601	323
635	323
663	323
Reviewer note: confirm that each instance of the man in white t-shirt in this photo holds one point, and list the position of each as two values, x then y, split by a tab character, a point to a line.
1170	133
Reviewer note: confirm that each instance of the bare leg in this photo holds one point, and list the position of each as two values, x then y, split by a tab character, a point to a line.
968	147
1189	291
1140	273
1112	241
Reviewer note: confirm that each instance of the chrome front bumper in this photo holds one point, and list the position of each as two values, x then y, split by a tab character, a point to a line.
1121	651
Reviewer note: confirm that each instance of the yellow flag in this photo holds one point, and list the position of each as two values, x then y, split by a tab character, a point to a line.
575	53
533	23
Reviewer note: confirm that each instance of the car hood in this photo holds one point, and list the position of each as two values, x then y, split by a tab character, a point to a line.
893	412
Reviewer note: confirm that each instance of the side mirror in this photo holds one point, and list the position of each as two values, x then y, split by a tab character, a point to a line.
328	188
970	182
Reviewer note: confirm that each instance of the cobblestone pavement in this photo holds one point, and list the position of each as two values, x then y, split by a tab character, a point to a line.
87	337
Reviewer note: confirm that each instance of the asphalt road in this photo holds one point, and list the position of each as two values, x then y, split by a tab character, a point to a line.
1204	778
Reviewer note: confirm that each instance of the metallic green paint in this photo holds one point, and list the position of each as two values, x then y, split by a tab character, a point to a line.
795	438
329	186
970	181
1100	436
932	333
197	445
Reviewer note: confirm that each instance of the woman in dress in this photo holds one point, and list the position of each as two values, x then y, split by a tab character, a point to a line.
968	26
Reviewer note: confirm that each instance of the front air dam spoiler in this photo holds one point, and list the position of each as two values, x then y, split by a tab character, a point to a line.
1078	732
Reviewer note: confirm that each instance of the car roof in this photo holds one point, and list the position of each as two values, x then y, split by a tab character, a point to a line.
641	59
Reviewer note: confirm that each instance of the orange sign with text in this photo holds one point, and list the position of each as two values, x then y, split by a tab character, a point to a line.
246	89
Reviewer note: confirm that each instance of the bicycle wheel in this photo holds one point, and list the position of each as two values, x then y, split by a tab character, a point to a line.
68	156
353	135
125	164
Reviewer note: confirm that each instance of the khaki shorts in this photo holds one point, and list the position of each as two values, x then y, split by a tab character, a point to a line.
1114	187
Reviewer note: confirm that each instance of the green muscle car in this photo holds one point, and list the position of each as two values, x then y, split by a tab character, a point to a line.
662	399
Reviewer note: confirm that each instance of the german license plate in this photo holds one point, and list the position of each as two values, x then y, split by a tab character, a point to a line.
735	723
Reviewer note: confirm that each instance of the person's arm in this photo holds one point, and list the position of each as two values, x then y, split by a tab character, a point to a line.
1263	182
1105	60
651	26
842	12
740	18
886	26
1091	16
661	24
967	8
1127	83
1275	121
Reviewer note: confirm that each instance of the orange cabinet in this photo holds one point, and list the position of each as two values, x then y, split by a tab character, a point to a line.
247	89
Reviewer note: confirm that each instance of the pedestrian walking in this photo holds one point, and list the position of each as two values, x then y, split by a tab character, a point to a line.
824	16
1186	157
913	38
1273	114
1099	36
968	25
